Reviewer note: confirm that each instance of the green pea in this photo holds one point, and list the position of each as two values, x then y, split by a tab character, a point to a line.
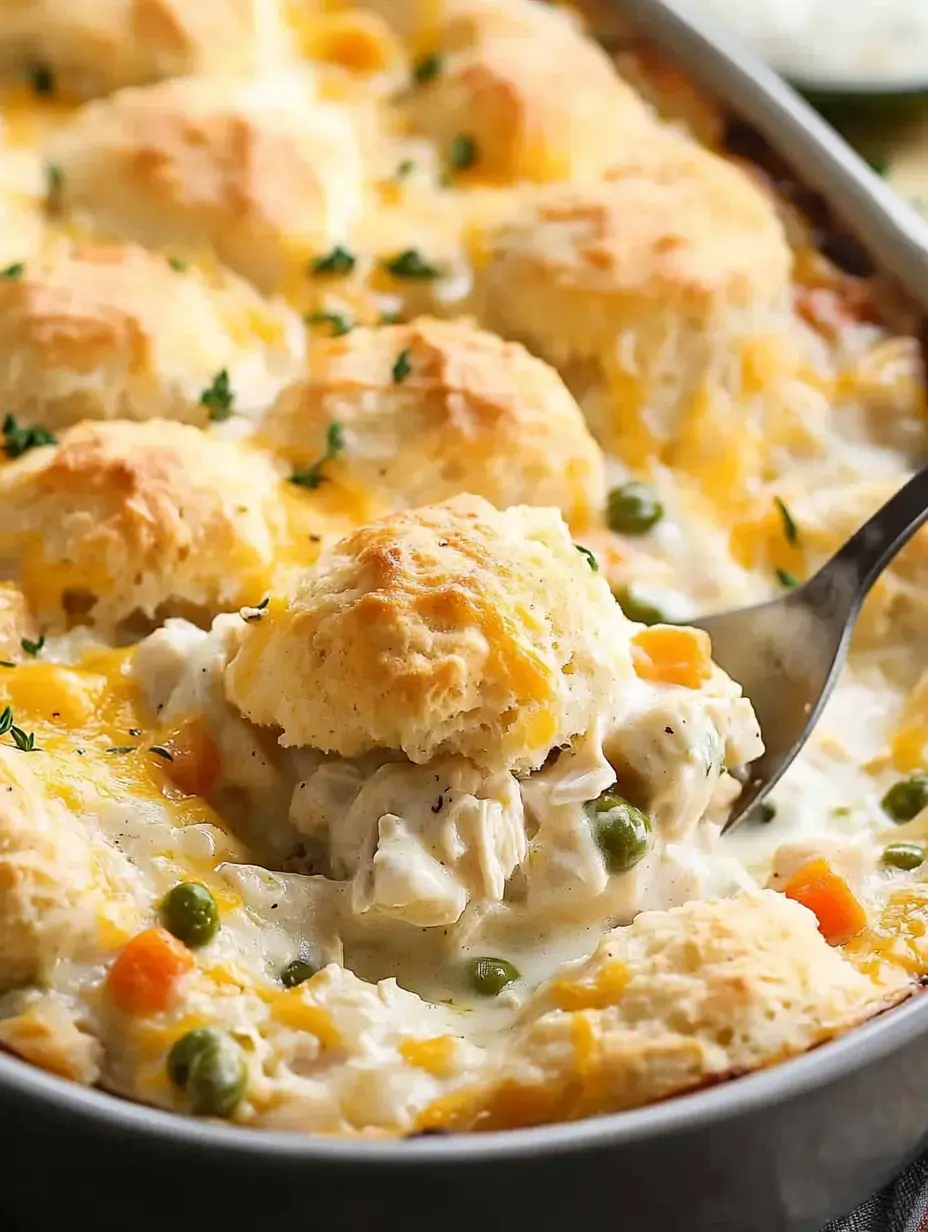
183	1052
622	832
189	911
217	1078
906	798
489	976
296	972
903	855
633	508
637	607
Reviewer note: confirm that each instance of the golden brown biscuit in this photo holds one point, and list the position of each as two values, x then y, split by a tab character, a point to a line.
255	170
540	102
434	408
124	517
92	47
115	332
648	273
449	629
675	1000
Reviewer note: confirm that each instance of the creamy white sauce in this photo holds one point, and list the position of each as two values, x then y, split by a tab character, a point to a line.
834	42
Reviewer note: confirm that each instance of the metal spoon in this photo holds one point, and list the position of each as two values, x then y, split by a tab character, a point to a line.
787	654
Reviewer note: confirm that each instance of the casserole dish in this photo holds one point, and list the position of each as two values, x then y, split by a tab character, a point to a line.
802	1141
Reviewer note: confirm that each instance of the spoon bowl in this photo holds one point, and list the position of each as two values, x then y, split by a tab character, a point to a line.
787	654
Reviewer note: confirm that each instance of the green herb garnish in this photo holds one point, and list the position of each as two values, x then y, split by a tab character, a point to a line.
13	272
790	529
463	152
218	397
54	183
411	264
338	323
41	79
590	558
177	264
312	477
336	263
19	440
404	169
427	68
123	748
32	648
787	579
402	367
160	751
24	741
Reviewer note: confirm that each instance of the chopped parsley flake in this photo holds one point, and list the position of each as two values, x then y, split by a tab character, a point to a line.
42	79
339	324
336	263
790	529
787	579
54	182
312	477
404	169
463	152
13	272
19	440
590	558
32	648
411	264
402	367
177	264
161	751
6	663
427	68
389	318
218	397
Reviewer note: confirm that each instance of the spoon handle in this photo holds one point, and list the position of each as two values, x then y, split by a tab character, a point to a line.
845	579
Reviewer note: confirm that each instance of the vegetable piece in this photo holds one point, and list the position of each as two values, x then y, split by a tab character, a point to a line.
335	264
411	264
829	897
184	1050
218	398
189	911
17	440
636	607
903	855
671	655
195	762
296	972
143	977
622	832
907	798
217	1077
489	976
633	509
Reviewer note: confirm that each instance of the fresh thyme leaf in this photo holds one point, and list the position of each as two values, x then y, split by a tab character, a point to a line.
13	272
312	477
339	323
161	751
19	440
41	79
6	720
790	529
402	367
463	152
787	579
336	263
411	264
590	558
32	648
218	397
23	740
177	264
427	68
123	748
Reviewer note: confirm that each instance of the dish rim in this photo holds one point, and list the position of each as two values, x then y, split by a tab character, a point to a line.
897	237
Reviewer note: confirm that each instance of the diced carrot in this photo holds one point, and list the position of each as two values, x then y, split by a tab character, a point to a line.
671	655
829	897
196	762
142	979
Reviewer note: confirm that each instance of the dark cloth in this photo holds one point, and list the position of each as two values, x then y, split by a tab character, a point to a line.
903	1207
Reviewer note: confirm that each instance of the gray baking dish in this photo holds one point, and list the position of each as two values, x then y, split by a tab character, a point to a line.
778	1151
